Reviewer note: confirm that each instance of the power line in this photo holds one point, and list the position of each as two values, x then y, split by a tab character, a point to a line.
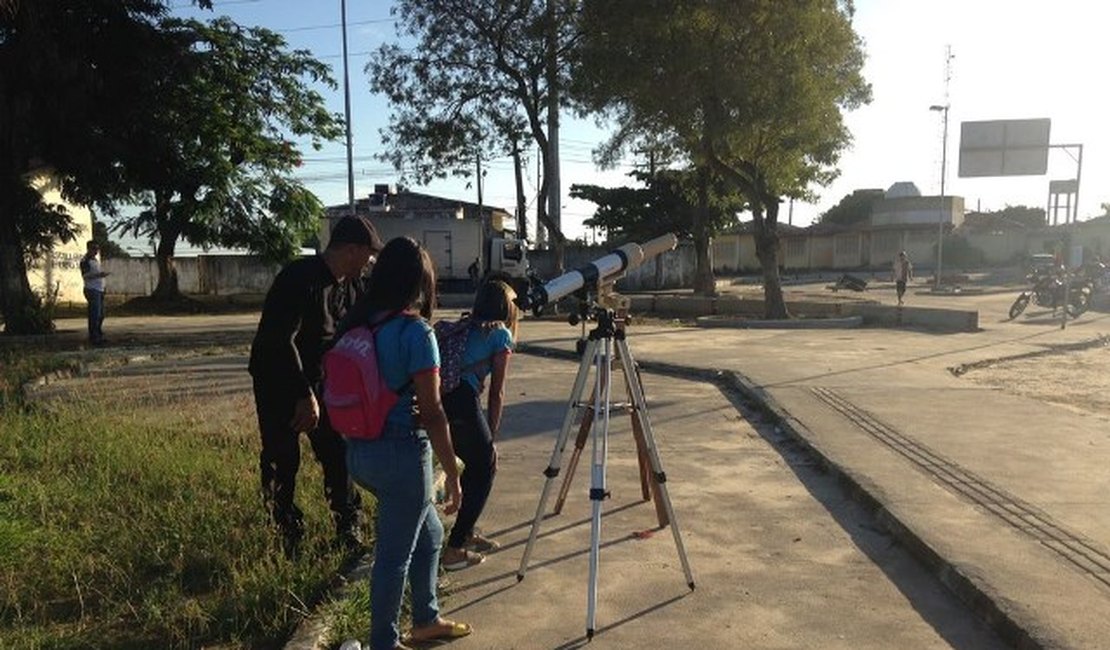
333	25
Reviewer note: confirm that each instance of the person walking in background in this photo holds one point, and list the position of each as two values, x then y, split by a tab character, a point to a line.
299	319
475	273
488	347
903	273
94	291
397	466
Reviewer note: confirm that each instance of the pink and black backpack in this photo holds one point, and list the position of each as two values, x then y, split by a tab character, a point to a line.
356	395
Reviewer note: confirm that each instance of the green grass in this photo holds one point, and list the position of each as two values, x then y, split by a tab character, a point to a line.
126	524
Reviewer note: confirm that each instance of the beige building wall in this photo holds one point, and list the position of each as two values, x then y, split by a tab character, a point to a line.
58	273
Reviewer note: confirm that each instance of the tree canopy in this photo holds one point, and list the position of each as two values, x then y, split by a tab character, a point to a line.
1011	216
854	208
70	73
666	202
750	89
476	81
216	166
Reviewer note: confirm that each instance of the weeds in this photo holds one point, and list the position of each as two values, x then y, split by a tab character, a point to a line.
125	524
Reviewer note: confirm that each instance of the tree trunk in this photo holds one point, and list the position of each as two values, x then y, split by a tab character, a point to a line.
167	289
521	203
766	249
17	303
554	235
704	282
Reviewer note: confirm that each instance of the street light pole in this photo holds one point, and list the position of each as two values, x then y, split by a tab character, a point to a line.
347	113
943	174
943	108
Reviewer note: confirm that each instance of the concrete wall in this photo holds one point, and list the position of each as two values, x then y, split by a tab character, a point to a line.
211	275
735	253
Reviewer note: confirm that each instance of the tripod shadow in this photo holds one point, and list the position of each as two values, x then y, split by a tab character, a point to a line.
583	640
525	419
542	534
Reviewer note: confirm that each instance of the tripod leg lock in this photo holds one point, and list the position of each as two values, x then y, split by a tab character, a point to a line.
660	477
598	494
551	472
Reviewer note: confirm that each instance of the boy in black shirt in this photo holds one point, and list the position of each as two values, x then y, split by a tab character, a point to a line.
299	318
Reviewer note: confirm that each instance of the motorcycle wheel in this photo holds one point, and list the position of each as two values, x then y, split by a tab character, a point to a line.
1079	303
1019	306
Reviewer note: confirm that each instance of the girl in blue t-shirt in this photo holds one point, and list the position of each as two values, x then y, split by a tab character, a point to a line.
488	347
397	467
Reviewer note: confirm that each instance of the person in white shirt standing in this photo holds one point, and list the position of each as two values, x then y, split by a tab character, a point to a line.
903	272
94	291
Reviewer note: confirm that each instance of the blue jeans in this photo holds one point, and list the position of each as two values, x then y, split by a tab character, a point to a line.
397	469
96	314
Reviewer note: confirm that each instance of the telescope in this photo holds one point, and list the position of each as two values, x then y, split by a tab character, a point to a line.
601	271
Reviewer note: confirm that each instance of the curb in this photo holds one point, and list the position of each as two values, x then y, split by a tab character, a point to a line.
967	588
976	596
847	322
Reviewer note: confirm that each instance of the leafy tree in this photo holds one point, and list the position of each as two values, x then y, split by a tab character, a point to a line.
72	76
667	202
1019	215
217	166
477	78
108	248
750	89
959	252
854	208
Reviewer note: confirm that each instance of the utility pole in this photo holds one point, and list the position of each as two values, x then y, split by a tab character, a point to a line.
478	161
943	109
541	230
347	113
554	191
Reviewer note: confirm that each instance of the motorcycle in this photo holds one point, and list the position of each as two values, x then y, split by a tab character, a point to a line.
1048	291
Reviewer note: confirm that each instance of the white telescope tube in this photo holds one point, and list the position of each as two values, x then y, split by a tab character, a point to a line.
601	270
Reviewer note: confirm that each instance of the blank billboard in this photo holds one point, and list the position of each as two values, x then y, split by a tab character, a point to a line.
1004	148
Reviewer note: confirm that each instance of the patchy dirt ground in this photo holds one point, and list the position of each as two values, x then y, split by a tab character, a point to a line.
1078	379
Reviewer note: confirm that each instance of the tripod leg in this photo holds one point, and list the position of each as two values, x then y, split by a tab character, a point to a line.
641	454
557	454
598	490
653	453
648	487
572	464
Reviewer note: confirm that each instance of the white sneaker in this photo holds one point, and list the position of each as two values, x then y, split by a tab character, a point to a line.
351	644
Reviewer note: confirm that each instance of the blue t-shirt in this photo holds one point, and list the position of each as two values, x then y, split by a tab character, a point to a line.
406	346
484	344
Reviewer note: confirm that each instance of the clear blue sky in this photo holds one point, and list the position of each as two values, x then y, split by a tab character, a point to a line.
1013	59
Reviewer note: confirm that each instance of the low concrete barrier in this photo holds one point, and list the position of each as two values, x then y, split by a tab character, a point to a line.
949	320
842	322
809	313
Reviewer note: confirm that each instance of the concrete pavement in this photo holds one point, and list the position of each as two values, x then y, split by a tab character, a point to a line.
1003	497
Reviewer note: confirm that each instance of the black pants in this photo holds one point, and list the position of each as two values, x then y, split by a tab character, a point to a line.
281	458
474	445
